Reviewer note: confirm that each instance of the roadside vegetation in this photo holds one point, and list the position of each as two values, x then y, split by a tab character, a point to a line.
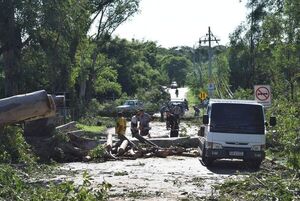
41	48
19	173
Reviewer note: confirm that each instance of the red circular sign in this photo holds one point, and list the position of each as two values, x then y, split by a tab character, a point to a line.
262	93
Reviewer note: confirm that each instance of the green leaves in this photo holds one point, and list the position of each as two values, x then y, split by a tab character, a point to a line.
14	187
288	118
177	68
13	147
260	186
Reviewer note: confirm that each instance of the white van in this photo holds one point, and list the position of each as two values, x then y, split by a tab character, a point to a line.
233	129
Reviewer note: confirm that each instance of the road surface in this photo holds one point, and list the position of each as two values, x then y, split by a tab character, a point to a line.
171	178
182	93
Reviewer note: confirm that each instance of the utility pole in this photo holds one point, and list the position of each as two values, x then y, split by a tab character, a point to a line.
209	38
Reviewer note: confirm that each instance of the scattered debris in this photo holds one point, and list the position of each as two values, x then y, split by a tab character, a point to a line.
143	148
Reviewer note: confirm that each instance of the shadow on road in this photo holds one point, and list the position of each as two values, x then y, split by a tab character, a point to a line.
230	167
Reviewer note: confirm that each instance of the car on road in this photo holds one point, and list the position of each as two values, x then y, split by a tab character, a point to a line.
130	106
174	85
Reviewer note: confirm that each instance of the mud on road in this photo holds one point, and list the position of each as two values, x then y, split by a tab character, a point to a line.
171	178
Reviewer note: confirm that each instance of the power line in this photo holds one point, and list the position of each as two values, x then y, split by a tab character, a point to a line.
209	38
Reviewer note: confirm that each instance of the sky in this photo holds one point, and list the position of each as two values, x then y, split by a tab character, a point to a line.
173	23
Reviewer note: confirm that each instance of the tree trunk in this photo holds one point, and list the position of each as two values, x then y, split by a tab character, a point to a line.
12	49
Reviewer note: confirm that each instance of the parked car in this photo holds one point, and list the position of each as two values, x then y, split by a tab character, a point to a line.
174	85
130	106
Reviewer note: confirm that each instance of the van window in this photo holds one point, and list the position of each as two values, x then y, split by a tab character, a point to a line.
237	118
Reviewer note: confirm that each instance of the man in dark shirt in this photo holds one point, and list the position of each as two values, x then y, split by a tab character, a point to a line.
172	120
144	119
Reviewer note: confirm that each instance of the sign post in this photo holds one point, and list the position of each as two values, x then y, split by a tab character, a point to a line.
211	88
262	94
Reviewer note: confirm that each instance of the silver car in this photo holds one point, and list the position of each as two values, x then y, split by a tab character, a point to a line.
130	106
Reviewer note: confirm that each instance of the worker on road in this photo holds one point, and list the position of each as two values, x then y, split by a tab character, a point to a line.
120	128
173	123
162	112
144	119
197	111
177	112
135	129
134	124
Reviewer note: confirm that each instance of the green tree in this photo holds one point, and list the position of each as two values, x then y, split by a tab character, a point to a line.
177	68
107	19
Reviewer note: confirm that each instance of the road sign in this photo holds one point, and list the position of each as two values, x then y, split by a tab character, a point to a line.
262	94
211	86
202	95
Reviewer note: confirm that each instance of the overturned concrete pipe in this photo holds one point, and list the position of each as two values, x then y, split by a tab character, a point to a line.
109	142
123	146
30	106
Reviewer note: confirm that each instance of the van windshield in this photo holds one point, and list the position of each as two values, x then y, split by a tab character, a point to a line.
237	118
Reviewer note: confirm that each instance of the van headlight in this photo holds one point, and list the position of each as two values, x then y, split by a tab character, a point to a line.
257	147
213	145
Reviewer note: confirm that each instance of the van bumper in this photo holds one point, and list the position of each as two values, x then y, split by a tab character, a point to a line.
238	153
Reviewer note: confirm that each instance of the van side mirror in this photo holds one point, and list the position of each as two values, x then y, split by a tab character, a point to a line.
201	131
205	119
273	121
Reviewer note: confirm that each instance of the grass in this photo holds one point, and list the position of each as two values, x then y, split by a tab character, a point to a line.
192	99
91	129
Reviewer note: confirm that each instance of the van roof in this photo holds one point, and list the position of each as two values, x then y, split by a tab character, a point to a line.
252	102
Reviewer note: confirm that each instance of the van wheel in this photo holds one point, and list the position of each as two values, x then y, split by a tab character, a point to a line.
206	160
174	133
255	164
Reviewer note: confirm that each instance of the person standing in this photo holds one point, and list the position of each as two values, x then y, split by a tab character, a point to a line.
197	111
144	119
186	104
120	128
134	124
162	111
177	111
173	123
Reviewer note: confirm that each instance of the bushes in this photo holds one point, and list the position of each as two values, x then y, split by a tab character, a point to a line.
98	152
13	147
287	130
14	187
153	98
264	185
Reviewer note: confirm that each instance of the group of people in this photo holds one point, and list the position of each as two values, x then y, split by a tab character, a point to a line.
139	124
177	109
174	112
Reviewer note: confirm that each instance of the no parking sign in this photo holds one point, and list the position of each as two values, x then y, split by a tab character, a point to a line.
262	94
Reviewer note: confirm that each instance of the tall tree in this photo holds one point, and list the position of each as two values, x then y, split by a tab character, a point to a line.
106	18
17	20
177	68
